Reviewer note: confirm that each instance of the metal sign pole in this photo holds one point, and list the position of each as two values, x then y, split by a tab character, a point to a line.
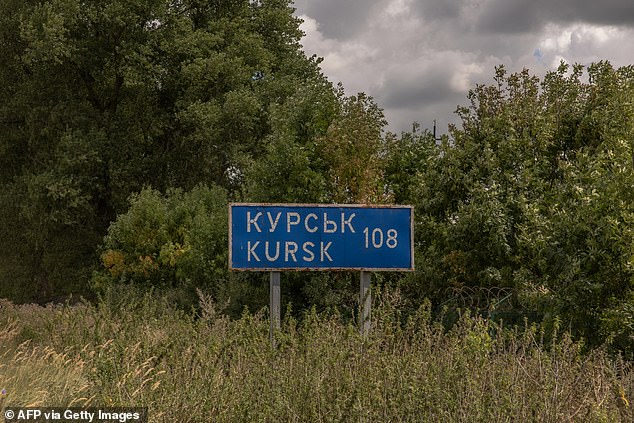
272	238
274	308
365	304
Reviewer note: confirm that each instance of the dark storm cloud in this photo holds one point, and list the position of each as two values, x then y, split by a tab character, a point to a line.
337	19
413	91
520	16
439	9
510	17
417	96
419	58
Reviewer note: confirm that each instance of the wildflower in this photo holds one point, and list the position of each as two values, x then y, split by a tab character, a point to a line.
623	398
3	392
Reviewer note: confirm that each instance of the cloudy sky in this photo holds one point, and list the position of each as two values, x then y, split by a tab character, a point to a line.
418	58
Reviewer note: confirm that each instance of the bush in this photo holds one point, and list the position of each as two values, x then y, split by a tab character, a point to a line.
177	241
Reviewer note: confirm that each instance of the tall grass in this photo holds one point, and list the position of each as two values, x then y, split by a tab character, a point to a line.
139	351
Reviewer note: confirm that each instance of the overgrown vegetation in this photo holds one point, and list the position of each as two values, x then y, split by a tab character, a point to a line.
529	208
127	126
136	349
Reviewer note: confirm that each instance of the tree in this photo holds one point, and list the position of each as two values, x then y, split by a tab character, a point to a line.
586	265
100	99
352	151
529	207
291	168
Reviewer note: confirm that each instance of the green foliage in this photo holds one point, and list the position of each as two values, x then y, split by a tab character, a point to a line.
533	198
351	151
324	147
99	99
138	348
290	169
176	240
407	161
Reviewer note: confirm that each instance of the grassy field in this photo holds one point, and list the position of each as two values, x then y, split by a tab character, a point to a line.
209	368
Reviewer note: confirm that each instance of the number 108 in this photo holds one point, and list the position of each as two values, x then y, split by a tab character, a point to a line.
377	239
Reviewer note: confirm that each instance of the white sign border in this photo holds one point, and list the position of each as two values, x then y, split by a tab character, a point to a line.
326	269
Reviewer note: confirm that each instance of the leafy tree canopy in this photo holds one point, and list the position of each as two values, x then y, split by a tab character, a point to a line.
99	99
527	212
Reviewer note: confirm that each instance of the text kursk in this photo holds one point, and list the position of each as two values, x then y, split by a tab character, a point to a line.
294	221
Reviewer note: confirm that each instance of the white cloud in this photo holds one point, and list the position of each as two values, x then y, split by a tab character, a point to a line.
419	58
341	59
398	8
585	43
463	78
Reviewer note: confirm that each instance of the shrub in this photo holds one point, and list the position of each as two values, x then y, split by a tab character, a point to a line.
173	240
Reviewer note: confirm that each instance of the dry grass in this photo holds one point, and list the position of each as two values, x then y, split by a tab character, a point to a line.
144	353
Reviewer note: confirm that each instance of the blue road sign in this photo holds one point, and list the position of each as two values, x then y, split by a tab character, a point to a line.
273	237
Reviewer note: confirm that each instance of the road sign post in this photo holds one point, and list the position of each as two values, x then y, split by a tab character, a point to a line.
275	305
321	237
365	304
